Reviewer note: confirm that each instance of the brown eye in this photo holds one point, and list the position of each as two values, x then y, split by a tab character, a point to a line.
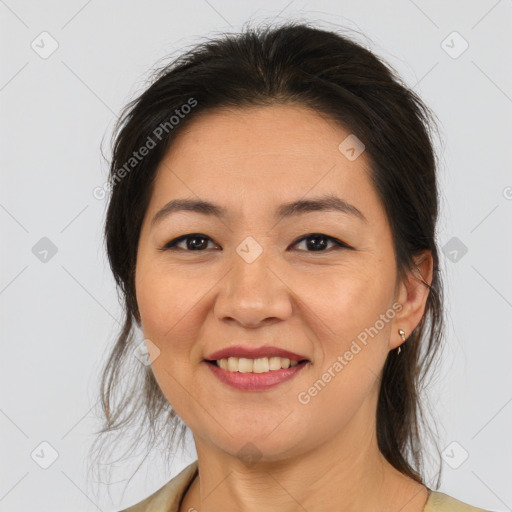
192	242
314	242
317	242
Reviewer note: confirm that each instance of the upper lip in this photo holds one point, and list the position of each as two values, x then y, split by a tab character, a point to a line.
253	353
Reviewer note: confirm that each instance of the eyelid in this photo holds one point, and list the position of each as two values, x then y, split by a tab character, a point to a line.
338	244
167	246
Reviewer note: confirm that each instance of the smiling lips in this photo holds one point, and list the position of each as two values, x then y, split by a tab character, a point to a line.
253	369
260	365
240	351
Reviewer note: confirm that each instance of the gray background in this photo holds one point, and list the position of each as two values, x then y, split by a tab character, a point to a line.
59	312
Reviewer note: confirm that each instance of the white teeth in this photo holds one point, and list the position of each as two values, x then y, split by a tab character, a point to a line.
274	363
260	365
245	365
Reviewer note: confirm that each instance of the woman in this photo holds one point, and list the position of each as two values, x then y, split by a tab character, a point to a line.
271	226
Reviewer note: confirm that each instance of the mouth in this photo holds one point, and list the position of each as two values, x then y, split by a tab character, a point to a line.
259	365
259	374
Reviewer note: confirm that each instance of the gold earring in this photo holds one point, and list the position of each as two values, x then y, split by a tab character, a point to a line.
402	335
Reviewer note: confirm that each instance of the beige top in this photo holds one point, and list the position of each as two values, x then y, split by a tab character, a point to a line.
168	497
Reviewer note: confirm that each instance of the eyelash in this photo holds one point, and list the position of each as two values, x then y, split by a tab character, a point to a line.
171	245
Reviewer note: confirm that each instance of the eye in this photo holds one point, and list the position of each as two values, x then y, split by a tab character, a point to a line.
318	242
193	242
315	242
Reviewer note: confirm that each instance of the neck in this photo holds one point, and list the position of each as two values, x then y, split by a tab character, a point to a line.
344	474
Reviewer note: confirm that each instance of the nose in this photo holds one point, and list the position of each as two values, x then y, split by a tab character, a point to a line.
253	293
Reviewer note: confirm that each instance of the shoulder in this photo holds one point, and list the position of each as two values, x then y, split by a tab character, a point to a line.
440	502
168	497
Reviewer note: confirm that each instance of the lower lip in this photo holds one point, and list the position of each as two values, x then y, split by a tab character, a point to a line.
255	381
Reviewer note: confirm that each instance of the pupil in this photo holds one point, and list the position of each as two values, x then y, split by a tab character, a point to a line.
315	245
195	246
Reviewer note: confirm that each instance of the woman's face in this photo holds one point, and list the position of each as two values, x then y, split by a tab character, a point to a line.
248	279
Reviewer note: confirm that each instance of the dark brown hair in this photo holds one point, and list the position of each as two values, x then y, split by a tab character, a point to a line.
339	78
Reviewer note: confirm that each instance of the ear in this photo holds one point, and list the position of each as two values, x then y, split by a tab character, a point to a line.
412	293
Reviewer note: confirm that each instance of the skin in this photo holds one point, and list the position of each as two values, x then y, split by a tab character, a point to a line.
322	455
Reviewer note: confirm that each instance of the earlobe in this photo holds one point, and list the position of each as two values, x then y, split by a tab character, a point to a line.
412	295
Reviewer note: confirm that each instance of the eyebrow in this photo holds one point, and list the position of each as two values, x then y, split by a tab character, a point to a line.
299	207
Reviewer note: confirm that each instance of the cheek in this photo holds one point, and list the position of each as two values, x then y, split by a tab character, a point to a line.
346	299
160	298
351	346
163	310
169	306
355	308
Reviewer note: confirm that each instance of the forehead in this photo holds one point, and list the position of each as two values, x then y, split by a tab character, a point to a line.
256	157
